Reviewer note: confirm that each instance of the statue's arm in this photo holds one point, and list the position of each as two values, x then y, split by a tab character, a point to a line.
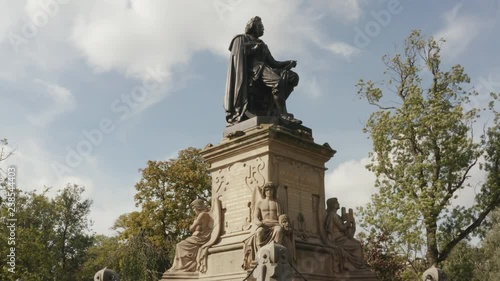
198	222
338	222
278	64
257	215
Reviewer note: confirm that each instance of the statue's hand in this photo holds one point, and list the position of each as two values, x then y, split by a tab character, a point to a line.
293	63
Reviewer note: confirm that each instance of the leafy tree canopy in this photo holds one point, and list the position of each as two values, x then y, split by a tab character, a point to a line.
164	194
423	151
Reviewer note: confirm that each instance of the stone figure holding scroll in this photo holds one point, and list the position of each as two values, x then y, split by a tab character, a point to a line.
257	84
340	230
186	251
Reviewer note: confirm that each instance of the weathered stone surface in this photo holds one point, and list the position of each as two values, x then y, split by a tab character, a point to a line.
240	166
106	274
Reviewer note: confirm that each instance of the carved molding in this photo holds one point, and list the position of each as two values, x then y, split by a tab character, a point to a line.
255	177
221	179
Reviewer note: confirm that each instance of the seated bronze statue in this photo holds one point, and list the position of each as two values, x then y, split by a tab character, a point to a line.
257	84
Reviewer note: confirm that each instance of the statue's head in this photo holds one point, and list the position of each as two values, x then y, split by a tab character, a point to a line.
198	205
434	274
255	27
332	203
106	275
269	190
284	221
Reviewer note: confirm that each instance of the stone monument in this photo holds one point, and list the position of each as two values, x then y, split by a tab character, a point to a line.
268	190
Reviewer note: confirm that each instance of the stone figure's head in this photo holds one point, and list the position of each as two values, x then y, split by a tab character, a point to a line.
332	204
198	205
106	275
269	190
284	221
434	274
255	27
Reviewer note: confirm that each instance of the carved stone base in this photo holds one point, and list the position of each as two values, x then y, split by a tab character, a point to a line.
314	263
251	155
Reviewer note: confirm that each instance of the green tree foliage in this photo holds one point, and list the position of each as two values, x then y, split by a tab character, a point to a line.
381	258
4	154
462	262
488	267
103	253
423	151
164	194
139	254
52	235
129	258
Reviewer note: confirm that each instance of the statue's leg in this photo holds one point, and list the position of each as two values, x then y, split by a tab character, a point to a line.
274	81
279	234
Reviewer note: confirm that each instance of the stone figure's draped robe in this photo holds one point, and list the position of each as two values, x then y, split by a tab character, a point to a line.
186	251
348	250
267	233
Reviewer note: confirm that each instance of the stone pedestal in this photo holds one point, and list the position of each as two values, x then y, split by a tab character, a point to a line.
254	153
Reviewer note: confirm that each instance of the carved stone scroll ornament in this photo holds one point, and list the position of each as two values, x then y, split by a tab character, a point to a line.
221	181
254	181
255	177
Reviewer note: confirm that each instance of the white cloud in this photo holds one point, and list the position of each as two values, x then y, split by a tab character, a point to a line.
33	173
351	183
132	37
459	31
343	49
348	10
61	101
312	88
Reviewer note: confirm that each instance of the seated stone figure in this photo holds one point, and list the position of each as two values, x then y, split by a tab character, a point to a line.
186	251
287	239
257	84
348	252
267	218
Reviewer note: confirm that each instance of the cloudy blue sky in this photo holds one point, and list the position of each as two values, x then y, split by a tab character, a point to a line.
91	90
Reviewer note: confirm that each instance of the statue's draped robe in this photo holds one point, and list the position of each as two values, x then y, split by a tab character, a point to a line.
247	65
348	250
267	233
186	251
236	96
